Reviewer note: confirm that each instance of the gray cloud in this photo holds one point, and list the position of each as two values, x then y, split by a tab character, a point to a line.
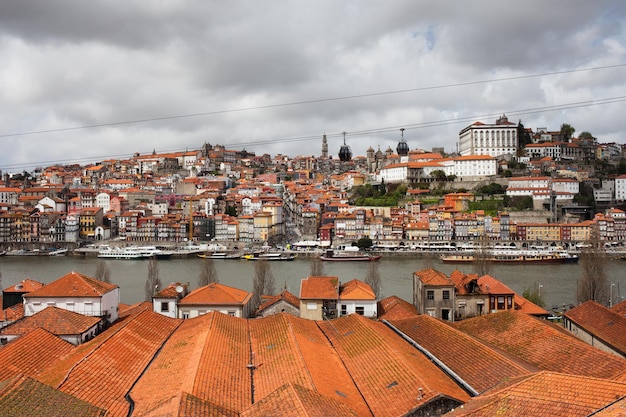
74	63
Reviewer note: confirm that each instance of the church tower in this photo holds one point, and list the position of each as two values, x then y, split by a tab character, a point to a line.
324	147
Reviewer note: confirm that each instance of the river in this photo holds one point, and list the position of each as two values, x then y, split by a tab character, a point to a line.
558	281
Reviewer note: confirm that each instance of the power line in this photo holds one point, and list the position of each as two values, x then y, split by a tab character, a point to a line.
298	103
387	129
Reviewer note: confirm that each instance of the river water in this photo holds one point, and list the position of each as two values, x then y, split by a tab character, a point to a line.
558	281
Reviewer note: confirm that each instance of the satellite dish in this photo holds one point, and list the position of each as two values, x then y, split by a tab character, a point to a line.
179	289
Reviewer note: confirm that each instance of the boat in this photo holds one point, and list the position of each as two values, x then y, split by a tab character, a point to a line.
350	256
3	252
219	255
529	256
269	256
153	252
36	252
120	253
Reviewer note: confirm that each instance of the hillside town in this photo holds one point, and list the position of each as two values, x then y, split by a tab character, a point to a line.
547	186
465	344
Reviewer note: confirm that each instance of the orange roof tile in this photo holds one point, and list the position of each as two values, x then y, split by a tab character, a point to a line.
30	353
283	296
602	323
395	308
319	288
74	284
356	290
546	394
433	277
56	320
480	366
217	294
388	371
25	285
296	401
551	349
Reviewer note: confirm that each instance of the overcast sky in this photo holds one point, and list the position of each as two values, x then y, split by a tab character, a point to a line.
274	76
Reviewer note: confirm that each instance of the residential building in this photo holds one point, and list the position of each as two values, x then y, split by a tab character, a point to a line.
598	326
78	293
319	297
433	294
215	297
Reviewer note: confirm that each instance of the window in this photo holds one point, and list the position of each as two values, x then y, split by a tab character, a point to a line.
360	310
344	310
446	294
500	302
165	306
430	295
311	306
185	315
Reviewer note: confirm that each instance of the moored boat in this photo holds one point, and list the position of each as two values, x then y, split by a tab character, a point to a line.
120	253
513	255
349	257
219	255
269	256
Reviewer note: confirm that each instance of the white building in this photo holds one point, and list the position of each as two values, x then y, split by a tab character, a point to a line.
475	167
466	168
78	293
498	140
215	297
620	188
103	200
357	297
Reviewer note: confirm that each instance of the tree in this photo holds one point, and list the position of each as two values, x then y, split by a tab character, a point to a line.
364	243
593	283
263	282
533	294
585	135
482	263
153	282
373	279
103	273
231	211
567	130
316	267
208	274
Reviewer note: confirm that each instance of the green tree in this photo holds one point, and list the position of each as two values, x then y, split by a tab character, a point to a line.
364	243
231	211
533	294
585	135
567	130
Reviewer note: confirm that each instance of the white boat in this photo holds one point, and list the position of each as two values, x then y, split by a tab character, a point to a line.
120	253
219	255
269	256
153	252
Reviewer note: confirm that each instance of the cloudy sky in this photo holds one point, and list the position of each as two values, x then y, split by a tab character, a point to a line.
83	81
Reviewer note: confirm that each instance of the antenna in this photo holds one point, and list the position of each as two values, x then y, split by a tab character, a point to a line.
179	289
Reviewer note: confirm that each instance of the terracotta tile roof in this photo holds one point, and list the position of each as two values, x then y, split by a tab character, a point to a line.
27	397
395	308
602	323
528	307
126	310
217	294
178	363
25	285
551	349
222	374
490	285
74	284
480	366
433	277
283	296
620	308
617	409
13	313
356	290
103	370
56	320
546	394
387	371
30	353
295	401
319	288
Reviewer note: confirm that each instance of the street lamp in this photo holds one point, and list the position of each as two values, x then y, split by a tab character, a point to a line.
611	295
540	286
